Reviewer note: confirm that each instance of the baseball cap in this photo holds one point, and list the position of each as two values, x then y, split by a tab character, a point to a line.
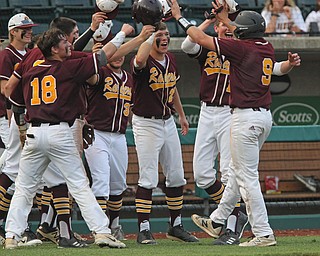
20	20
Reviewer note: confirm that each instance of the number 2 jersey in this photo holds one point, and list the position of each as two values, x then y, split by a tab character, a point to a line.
154	87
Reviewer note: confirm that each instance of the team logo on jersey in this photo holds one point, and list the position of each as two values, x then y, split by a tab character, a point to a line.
158	81
213	65
113	90
37	63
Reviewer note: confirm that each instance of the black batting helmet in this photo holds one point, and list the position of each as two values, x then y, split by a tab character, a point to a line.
148	12
249	24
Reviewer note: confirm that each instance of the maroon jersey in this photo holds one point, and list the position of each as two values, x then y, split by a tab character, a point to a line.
9	60
214	82
49	91
109	101
247	57
35	57
154	87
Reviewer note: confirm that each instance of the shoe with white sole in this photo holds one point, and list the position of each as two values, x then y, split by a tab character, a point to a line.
262	241
207	225
108	240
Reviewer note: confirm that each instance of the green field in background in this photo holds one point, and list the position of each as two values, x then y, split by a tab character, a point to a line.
289	246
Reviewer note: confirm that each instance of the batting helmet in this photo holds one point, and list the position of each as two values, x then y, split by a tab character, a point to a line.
103	31
249	24
148	12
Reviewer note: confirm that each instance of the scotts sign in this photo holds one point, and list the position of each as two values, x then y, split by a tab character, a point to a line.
285	111
296	110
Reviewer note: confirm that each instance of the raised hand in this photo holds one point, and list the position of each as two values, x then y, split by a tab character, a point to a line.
294	59
127	29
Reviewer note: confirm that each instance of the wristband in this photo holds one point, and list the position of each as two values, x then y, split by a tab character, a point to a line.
118	39
275	14
184	23
151	39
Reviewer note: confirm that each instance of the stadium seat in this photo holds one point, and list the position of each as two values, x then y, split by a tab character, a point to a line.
5	13
306	6
125	10
24	3
79	10
4	3
39	11
42	27
83	26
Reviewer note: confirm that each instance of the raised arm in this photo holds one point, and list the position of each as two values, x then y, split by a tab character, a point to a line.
196	34
129	46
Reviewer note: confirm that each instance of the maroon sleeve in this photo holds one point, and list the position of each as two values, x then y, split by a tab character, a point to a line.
6	66
83	68
16	96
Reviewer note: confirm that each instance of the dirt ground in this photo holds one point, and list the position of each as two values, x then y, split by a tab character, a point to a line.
296	232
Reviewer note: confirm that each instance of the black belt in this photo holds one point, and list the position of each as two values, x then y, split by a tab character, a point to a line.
259	109
210	104
38	124
166	117
254	109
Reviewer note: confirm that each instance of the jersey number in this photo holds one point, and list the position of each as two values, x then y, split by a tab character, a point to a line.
267	71
44	91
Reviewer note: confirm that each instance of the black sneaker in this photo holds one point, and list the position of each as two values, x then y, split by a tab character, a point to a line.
46	233
227	238
145	237
2	236
178	233
29	238
71	243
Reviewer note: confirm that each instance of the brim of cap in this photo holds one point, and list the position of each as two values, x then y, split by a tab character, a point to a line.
27	26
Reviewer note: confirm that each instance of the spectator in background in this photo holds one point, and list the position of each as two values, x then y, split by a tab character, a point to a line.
283	16
314	16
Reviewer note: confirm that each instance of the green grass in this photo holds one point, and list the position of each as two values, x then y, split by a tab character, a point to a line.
288	246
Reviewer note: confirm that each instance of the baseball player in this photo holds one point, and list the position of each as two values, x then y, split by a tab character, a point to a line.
56	190
51	127
20	34
213	131
251	120
155	99
107	157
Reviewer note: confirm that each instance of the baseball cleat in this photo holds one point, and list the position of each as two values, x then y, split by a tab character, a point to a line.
10	243
262	241
88	239
241	223
145	237
207	225
2	236
178	233
44	232
227	238
108	240
29	239
71	243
